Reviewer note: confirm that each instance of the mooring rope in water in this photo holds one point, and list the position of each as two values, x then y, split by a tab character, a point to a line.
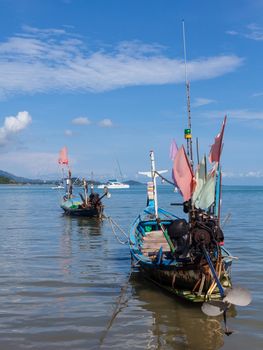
121	303
115	225
226	219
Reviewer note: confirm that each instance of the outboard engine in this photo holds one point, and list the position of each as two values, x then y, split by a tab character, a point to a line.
178	231
217	232
201	236
206	233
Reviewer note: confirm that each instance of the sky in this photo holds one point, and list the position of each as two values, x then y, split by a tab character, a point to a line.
106	78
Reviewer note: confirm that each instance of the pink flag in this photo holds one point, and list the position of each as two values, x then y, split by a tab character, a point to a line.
216	148
183	174
173	149
63	156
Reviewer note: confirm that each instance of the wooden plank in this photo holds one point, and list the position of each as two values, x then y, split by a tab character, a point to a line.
157	245
153	241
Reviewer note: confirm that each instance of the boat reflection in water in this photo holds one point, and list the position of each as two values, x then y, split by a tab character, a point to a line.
82	226
176	324
80	234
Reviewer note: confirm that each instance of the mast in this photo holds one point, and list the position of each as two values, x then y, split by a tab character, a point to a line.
119	167
188	131
69	184
85	186
154	183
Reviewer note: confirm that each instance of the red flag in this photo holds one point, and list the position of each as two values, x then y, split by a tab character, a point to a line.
183	174
63	156
216	148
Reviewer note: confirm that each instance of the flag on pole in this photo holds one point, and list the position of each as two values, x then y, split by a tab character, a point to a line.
63	156
183	174
216	148
200	178
173	150
206	196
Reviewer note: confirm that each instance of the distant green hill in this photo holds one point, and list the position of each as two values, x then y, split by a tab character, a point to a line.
5	180
8	178
17	179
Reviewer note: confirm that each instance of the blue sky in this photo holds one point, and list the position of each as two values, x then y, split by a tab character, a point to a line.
106	79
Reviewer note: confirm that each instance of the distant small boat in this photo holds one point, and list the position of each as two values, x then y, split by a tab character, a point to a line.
114	184
58	187
89	204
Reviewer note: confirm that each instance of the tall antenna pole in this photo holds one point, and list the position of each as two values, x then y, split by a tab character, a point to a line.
188	132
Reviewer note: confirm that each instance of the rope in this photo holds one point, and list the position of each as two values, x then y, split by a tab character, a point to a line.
121	303
164	179
226	219
115	225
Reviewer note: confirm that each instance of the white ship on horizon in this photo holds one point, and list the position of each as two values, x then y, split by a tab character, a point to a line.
114	184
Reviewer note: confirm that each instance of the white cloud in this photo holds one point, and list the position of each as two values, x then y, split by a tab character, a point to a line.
239	114
257	94
245	114
105	123
30	164
253	32
232	32
81	121
68	132
49	31
199	101
52	60
248	174
13	125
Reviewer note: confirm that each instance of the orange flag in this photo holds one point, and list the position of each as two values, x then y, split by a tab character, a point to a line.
183	174
63	156
216	148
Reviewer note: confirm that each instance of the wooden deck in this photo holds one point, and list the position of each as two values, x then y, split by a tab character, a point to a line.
153	241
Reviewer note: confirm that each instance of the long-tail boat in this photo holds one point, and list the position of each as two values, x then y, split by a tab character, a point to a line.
173	251
186	256
87	204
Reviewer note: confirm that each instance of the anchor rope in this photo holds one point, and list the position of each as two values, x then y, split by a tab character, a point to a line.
121	303
114	225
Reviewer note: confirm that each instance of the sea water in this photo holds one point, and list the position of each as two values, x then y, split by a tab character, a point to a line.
66	283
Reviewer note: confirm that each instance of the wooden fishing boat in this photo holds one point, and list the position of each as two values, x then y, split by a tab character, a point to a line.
89	204
92	207
170	250
186	255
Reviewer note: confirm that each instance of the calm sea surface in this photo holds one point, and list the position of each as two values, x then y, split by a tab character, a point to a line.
65	283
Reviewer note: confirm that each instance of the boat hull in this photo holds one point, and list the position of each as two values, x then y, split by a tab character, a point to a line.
113	187
89	213
74	208
190	279
182	282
